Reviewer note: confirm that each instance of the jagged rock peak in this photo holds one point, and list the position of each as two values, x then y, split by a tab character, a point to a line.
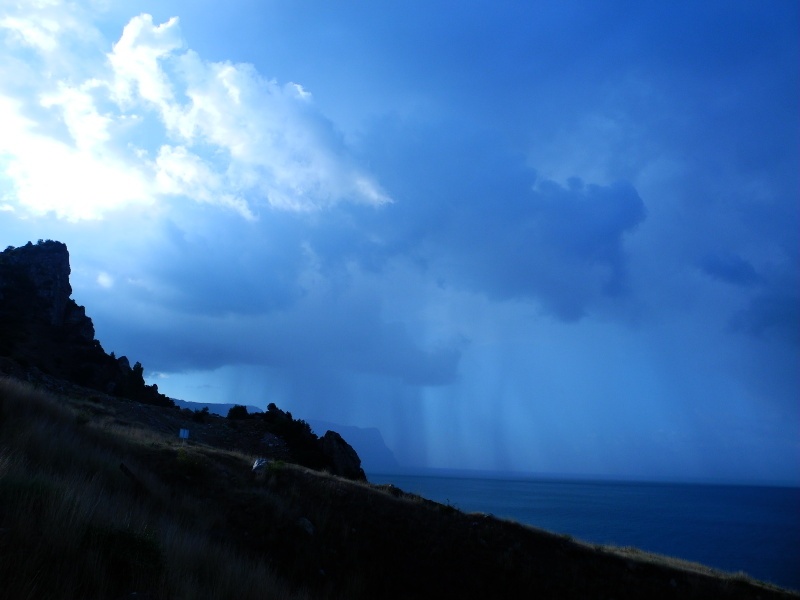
46	265
44	331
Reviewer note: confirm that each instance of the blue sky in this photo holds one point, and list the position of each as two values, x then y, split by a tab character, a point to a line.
551	237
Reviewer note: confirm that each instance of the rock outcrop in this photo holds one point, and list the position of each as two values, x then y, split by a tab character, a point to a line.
368	442
46	268
45	336
43	330
341	456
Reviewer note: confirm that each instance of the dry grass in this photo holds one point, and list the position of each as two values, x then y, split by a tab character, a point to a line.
73	526
188	521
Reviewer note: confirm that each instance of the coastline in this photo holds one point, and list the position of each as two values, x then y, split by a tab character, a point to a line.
731	527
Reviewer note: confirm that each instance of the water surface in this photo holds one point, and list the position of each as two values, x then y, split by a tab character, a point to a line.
730	527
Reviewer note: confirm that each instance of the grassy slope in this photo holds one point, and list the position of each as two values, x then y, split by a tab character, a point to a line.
188	521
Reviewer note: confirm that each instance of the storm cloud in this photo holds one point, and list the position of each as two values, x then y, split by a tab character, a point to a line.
552	238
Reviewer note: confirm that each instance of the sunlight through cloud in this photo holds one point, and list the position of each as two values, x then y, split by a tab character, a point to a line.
108	141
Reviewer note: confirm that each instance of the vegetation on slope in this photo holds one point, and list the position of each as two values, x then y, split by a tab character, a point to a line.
98	503
74	525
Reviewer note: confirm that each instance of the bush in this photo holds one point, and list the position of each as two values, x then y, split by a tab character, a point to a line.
238	412
301	440
199	416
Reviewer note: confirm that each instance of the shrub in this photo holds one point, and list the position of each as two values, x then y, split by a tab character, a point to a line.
238	412
199	416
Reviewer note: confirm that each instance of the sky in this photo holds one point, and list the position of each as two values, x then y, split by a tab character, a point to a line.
554	237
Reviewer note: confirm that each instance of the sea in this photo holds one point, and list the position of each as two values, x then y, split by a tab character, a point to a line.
733	528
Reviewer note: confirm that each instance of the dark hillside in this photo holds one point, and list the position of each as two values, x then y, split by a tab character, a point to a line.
133	495
100	498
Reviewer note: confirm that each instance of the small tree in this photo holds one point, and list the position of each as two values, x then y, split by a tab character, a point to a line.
199	416
238	412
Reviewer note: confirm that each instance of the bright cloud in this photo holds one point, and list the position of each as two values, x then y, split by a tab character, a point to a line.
48	175
42	24
104	280
135	61
41	35
88	128
180	172
155	121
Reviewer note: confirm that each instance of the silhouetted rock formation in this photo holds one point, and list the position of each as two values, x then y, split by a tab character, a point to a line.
368	442
342	457
46	337
42	329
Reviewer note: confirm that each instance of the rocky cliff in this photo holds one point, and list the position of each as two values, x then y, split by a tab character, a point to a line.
342	457
45	268
368	442
44	332
46	337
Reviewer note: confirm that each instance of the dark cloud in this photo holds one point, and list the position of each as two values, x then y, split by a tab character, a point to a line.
771	314
228	266
475	216
730	268
359	311
562	246
326	330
